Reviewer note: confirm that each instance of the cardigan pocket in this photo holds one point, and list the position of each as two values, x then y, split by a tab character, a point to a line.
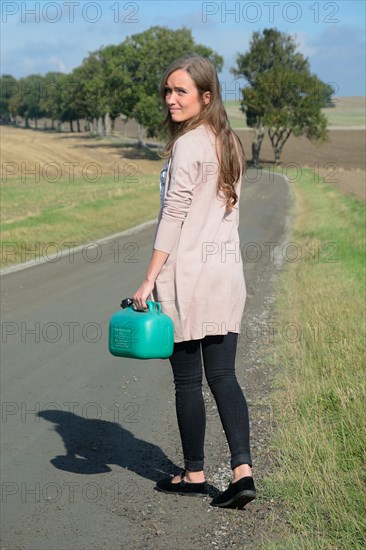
165	281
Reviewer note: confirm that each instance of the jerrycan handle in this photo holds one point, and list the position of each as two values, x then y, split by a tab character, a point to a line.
154	307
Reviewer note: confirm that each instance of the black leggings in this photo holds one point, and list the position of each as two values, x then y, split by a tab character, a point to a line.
218	354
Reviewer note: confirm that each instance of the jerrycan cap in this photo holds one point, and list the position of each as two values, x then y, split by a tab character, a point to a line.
126	302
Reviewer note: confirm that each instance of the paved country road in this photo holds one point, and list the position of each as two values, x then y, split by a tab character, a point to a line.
86	435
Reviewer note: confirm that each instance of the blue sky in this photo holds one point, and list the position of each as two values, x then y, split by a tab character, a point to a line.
43	36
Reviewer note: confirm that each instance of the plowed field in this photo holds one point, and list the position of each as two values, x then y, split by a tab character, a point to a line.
341	160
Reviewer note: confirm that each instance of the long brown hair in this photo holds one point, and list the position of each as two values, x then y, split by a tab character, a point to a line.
229	149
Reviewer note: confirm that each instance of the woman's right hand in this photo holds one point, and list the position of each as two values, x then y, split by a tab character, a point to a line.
142	294
157	261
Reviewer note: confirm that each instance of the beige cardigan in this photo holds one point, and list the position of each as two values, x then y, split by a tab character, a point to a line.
201	286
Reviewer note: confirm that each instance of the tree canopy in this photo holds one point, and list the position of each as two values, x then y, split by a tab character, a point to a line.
145	57
282	95
8	86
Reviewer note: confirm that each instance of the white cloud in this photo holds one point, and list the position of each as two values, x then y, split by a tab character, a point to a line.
53	60
304	44
37	57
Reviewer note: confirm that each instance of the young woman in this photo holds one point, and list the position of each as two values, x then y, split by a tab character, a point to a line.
196	272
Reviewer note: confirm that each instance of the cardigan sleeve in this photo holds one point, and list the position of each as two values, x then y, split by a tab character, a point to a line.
182	177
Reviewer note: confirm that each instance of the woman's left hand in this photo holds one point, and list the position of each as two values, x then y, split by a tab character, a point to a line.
142	294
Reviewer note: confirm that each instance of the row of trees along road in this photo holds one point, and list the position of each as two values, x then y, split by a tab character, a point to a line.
282	96
116	80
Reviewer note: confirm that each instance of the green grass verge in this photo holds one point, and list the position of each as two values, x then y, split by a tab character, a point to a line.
35	214
319	402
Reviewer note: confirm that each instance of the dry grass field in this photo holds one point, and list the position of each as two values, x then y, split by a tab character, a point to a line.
70	153
341	160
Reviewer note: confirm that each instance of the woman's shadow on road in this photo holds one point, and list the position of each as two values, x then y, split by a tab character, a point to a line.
93	444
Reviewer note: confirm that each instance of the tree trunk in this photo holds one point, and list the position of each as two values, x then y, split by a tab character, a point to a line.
113	124
257	143
278	137
140	135
36	123
107	124
71	126
125	126
78	125
256	147
100	126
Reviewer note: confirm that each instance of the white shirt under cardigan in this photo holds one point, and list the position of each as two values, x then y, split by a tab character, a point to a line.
201	286
163	174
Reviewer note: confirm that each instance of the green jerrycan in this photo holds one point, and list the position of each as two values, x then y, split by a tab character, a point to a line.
145	334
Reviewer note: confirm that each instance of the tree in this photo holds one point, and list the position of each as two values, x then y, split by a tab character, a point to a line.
26	102
295	102
282	97
82	95
8	87
88	99
117	88
145	57
72	100
50	98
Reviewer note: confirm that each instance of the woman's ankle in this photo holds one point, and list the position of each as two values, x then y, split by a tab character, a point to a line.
243	470
195	477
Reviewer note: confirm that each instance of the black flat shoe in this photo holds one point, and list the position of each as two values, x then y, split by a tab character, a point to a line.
182	487
237	495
